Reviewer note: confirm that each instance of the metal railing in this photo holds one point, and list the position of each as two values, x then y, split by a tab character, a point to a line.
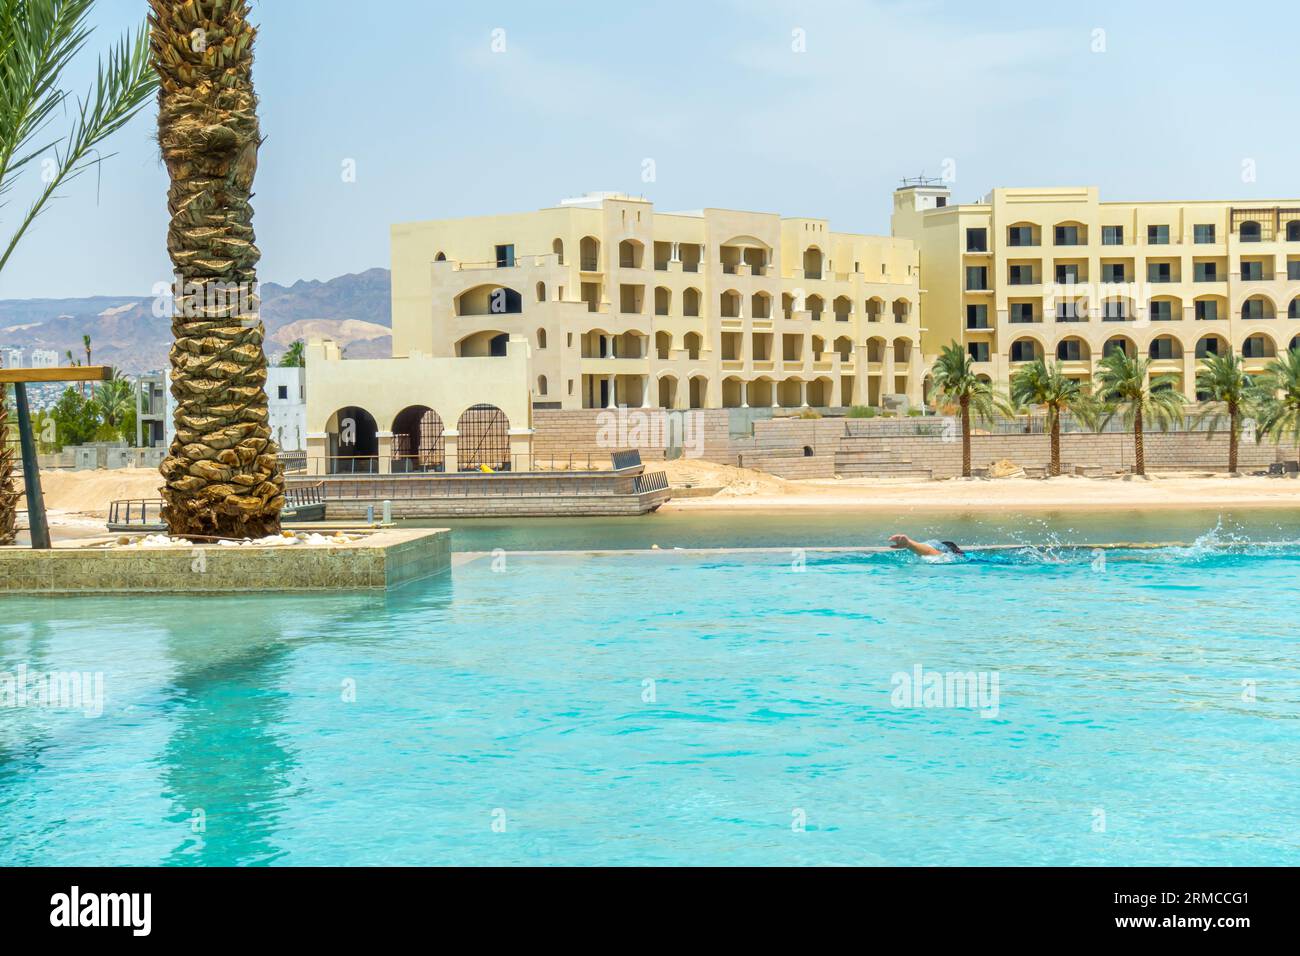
337	466
651	481
135	511
300	496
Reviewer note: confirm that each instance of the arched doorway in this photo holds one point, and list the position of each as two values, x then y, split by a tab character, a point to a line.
353	442
484	439
417	440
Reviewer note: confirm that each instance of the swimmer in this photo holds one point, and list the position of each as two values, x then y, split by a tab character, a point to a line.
923	550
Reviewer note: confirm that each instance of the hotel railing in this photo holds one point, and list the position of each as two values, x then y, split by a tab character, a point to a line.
344	466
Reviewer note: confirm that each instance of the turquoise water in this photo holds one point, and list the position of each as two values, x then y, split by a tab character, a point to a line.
1146	714
843	527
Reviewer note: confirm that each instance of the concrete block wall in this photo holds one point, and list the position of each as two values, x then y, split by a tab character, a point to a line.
1173	451
867	447
559	434
793	466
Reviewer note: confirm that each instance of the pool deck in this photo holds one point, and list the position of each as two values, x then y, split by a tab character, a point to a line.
381	560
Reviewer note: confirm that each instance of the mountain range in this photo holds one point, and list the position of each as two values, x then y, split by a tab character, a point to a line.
355	310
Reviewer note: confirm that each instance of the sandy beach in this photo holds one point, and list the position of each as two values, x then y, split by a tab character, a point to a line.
77	501
741	489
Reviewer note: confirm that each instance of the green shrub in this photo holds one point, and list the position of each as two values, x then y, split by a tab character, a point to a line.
861	411
914	413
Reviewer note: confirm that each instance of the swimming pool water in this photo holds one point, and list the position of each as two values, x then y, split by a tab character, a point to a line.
659	708
847	527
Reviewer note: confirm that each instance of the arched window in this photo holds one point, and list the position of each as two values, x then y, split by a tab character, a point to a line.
691	302
663	300
489	300
663	345
629	254
557	247
812	263
541	292
1257	346
440	257
1249	231
730	304
692	343
1210	345
541	385
1117	344
541	338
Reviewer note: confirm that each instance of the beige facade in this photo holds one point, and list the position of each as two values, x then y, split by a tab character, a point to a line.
626	306
1060	274
417	413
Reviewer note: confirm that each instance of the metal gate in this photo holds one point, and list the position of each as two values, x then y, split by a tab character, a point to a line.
484	439
418	446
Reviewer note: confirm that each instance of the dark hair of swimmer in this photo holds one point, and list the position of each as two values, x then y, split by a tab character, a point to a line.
952	548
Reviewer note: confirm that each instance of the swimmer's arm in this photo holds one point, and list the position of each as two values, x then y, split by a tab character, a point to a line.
916	547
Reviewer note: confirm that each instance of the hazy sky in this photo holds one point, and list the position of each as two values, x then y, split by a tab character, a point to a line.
1148	100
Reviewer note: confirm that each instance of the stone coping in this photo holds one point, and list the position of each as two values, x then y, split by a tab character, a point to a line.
468	556
382	559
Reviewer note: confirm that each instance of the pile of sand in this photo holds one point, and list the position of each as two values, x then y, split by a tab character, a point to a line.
730	480
89	492
1005	468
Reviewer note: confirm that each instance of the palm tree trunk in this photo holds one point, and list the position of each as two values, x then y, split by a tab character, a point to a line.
1140	462
222	473
8	494
965	436
1054	469
1233	414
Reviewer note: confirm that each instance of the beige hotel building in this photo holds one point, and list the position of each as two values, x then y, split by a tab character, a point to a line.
1057	273
622	305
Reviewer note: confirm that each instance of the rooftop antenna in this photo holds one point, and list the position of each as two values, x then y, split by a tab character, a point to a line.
923	180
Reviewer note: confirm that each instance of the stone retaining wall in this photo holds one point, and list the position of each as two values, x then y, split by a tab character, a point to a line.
587	432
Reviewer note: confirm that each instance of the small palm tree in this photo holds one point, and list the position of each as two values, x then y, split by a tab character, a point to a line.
1122	389
954	383
1041	384
1231	393
294	356
114	400
1279	399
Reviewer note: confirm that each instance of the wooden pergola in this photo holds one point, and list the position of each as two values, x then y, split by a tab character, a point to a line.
19	378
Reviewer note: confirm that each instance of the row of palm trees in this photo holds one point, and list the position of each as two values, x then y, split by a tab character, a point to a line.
1125	388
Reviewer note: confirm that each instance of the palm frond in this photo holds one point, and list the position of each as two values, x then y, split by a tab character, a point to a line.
38	39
